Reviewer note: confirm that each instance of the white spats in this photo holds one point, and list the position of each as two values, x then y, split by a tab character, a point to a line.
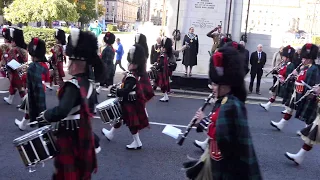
297	158
202	145
8	99
108	134
98	149
22	124
266	106
136	144
75	32
165	98
279	125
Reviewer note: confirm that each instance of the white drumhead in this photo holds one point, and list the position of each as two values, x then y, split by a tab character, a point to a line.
31	135
107	102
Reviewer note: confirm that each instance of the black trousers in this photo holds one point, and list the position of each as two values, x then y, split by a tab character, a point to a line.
255	74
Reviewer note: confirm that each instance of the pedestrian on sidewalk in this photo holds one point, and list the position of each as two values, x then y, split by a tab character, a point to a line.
257	61
120	53
190	54
246	54
107	57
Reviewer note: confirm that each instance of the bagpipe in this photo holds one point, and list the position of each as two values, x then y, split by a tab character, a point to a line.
291	75
276	69
175	132
311	91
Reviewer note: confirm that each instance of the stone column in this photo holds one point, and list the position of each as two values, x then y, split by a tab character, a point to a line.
203	15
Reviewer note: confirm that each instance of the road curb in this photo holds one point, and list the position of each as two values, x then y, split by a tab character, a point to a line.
198	93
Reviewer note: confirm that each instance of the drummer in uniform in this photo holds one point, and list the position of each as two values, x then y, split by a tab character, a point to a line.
19	53
279	88
308	73
34	101
4	50
75	140
135	92
58	59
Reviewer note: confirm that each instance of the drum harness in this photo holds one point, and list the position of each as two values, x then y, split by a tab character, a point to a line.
71	121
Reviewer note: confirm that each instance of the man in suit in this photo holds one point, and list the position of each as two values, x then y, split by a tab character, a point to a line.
257	61
246	53
155	51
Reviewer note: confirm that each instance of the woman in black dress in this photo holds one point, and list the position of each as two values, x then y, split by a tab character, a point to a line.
190	54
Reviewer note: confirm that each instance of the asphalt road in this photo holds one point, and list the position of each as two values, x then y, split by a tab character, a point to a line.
161	157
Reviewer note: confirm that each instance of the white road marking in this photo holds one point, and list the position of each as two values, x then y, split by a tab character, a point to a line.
156	123
3	92
183	126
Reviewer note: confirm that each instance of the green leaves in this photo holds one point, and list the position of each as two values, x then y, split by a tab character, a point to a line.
26	11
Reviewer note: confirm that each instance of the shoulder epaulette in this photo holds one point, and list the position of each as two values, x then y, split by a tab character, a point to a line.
130	75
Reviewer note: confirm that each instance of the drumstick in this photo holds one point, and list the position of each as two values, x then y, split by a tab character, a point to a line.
193	121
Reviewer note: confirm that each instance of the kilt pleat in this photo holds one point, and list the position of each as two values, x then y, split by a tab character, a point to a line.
311	134
309	112
286	91
66	160
134	115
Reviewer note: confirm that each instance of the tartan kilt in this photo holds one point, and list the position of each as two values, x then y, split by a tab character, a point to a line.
24	107
290	102
66	161
311	134
60	69
300	106
134	115
309	111
163	81
286	91
276	89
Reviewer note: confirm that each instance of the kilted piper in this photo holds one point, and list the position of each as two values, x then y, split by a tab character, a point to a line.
34	102
230	154
75	140
310	134
279	88
308	73
58	59
136	91
19	53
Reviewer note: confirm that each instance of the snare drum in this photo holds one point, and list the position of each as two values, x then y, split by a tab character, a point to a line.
110	111
36	146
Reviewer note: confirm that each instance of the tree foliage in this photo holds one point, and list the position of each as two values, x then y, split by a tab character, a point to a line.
86	9
3	4
26	11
